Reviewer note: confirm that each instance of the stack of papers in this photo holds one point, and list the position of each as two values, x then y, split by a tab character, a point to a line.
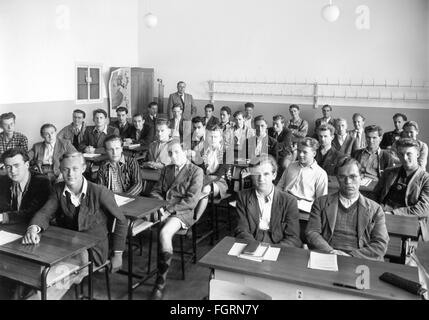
133	146
322	261
270	255
120	200
365	181
6	237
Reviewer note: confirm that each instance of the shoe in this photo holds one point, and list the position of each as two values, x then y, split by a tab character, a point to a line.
157	294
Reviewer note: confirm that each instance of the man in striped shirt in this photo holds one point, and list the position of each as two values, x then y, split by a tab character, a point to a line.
9	138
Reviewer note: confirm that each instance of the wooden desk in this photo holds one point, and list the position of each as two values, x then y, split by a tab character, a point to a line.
141	208
287	276
30	264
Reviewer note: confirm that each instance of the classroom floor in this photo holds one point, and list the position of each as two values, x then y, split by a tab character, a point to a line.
195	287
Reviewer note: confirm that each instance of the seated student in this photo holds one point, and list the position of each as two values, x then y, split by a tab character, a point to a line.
120	173
176	123
122	123
298	126
343	141
326	111
347	223
227	127
199	139
150	121
280	133
138	132
404	190
411	130
21	194
94	136
326	156
373	159
358	132
249	108
158	156
212	160
241	131
45	155
265	213
180	184
304	178
74	131
10	138
80	205
209	119
390	137
261	142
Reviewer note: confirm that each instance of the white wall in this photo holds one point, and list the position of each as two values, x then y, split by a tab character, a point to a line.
282	40
37	59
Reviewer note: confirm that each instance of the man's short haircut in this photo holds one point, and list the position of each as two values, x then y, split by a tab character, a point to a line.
162	121
294	106
216	127
411	124
122	109
112	137
46	126
70	155
226	109
346	161
181	82
407	143
309	142
209	106
237	113
374	128
262	159
7	116
83	113
151	104
326	127
279	117
259	118
96	111
400	115
198	119
338	120
355	115
327	106
249	105
10	153
177	105
138	115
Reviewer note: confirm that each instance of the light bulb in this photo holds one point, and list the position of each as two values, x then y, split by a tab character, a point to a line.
150	20
330	12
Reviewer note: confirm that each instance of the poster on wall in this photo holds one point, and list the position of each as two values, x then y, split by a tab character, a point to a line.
120	90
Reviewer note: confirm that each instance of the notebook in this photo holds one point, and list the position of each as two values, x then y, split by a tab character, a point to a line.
322	261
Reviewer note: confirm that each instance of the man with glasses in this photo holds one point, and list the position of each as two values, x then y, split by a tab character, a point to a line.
347	223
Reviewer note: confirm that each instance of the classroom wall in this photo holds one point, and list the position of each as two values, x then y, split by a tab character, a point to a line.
41	42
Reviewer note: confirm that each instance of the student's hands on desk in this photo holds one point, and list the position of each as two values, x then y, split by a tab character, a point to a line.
31	236
339	253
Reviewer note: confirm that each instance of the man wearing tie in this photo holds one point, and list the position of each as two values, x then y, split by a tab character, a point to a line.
184	99
358	132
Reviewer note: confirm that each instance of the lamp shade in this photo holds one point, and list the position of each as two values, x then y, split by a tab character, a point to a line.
150	20
330	12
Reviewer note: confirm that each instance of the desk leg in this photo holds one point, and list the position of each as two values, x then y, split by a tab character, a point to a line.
130	261
404	250
90	272
44	289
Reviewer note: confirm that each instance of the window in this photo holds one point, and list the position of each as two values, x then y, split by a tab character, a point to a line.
88	84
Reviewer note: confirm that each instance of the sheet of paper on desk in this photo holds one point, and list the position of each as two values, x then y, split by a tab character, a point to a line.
365	181
6	237
271	255
91	155
134	146
322	261
304	205
120	200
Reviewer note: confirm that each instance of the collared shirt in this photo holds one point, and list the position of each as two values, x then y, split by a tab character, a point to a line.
265	203
76	130
49	153
77	198
18	140
306	183
102	131
176	130
341	138
115	182
212	159
347	203
370	162
248	122
259	143
177	168
17	191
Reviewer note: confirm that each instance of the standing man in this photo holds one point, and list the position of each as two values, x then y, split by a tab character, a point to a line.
184	99
327	157
358	133
122	123
346	223
94	136
326	111
9	138
74	131
264	212
390	137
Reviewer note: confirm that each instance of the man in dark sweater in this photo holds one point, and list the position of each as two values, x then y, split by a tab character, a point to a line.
326	156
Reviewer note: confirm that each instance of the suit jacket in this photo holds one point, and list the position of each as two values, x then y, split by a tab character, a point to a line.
211	122
67	133
172	125
158	154
269	145
284	140
189	107
362	144
284	222
61	147
96	209
416	196
348	146
329	162
371	227
144	139
33	199
124	131
182	192
89	138
389	138
386	160
149	128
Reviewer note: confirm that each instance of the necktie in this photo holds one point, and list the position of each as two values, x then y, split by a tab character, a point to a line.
176	171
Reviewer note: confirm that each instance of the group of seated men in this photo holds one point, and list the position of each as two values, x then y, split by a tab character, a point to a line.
288	169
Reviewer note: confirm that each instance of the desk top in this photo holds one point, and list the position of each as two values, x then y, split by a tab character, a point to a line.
142	207
56	244
291	266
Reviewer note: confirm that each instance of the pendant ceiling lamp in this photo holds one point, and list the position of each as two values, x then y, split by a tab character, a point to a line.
330	12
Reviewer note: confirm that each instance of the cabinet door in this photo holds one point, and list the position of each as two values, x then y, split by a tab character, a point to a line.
142	89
